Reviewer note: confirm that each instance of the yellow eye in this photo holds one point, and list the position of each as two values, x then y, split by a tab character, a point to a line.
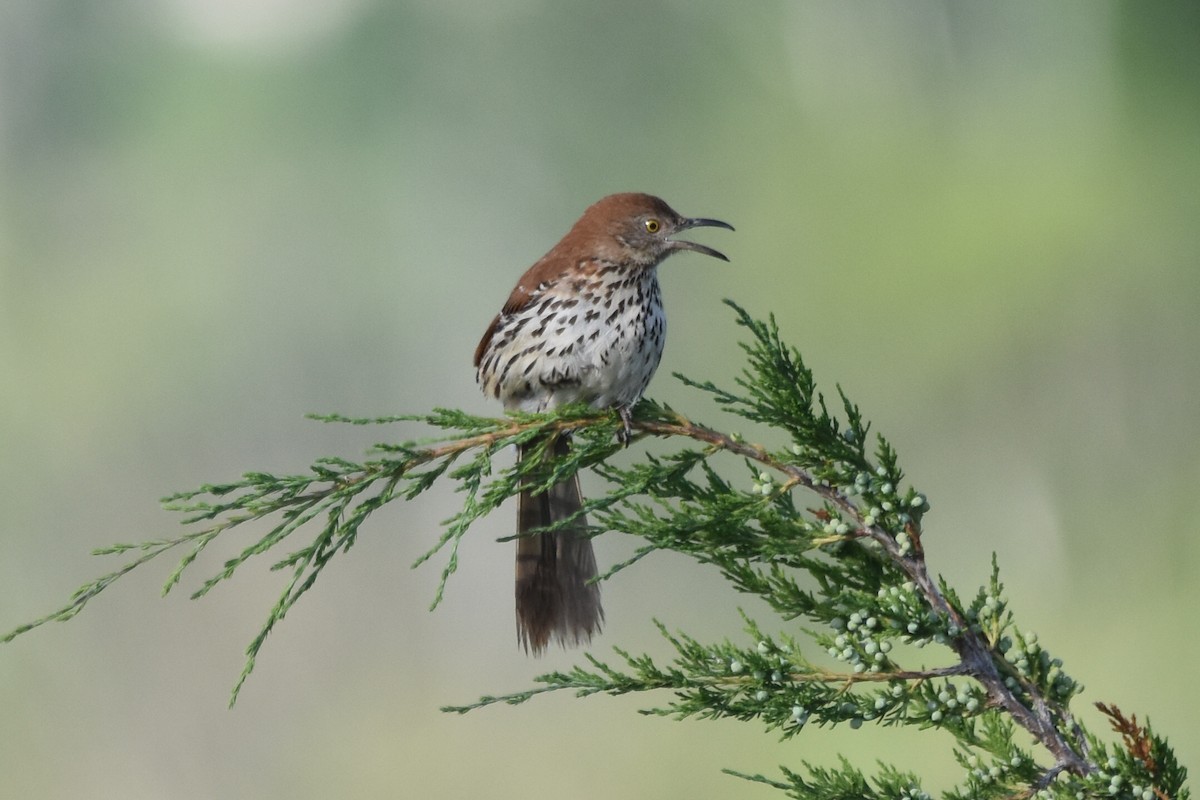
652	225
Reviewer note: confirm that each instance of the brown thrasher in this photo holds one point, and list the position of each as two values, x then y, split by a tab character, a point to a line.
585	324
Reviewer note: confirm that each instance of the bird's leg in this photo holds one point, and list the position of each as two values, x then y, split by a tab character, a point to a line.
625	435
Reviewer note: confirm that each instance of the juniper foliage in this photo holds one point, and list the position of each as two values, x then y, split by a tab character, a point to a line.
824	530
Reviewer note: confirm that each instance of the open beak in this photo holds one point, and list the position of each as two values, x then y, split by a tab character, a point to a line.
700	222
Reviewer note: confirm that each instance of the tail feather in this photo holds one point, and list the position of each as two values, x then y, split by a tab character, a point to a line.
554	596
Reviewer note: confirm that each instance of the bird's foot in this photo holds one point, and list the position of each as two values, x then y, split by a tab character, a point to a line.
625	434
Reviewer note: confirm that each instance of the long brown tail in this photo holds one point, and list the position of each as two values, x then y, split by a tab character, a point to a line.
554	597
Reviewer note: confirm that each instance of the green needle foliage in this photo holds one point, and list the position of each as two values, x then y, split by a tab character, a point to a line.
824	530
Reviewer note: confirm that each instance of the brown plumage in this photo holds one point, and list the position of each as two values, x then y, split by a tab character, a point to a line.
583	324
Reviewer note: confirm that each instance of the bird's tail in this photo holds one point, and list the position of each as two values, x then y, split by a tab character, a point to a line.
554	596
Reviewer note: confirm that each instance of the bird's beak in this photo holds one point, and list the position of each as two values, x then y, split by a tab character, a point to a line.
700	222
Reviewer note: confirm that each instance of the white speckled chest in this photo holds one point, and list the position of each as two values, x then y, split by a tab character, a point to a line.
596	338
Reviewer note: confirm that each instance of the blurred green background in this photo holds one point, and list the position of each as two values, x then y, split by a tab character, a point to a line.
217	215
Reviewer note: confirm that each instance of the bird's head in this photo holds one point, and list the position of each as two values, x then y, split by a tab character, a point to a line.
637	229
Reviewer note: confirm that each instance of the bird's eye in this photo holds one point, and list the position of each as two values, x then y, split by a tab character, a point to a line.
652	225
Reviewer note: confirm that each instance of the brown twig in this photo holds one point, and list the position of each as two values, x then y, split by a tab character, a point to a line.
973	650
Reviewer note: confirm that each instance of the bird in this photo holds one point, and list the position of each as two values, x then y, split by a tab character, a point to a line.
584	324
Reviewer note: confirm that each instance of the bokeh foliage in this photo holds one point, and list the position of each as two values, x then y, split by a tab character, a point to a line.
217	217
